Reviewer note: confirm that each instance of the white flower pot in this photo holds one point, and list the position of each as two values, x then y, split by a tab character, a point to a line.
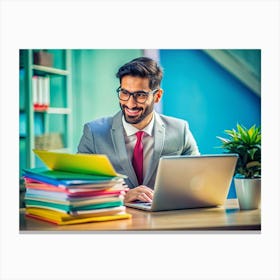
248	192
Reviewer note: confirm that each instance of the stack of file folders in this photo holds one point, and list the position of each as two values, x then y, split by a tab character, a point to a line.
60	196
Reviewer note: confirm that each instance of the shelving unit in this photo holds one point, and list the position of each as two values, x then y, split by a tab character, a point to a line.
57	118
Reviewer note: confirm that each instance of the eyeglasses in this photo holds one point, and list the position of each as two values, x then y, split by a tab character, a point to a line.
139	96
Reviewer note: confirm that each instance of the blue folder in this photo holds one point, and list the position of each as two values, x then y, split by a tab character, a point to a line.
61	178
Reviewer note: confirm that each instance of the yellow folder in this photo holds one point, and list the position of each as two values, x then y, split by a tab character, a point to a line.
66	219
81	163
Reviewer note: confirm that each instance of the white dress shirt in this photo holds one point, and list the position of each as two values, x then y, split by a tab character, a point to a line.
148	141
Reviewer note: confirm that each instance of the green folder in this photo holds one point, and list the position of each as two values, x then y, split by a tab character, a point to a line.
64	175
66	208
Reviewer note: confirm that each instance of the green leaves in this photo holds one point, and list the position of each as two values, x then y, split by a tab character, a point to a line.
247	144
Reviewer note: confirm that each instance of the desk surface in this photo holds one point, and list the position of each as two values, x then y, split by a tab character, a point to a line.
228	217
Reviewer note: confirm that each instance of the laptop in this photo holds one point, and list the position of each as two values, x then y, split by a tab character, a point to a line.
184	182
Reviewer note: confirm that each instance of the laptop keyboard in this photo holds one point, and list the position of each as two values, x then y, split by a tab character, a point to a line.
145	203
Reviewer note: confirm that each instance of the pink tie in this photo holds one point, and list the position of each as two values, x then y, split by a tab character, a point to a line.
137	160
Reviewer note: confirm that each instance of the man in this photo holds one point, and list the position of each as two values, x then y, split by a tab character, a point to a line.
136	137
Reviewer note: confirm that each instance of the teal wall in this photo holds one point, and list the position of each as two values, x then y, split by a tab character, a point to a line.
94	85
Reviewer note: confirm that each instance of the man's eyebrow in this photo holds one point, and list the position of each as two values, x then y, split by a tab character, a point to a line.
137	91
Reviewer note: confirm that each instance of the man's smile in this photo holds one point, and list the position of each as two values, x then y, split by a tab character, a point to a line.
132	112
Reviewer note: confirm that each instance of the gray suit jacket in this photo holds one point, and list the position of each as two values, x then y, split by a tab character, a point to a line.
106	136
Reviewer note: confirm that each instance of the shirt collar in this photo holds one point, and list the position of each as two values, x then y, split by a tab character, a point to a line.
131	130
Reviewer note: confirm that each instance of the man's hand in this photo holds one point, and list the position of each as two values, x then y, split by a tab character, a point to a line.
141	192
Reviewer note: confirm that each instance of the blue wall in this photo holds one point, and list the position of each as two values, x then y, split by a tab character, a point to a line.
200	91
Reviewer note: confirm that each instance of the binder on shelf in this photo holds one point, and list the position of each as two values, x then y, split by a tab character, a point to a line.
46	91
41	92
49	141
35	91
43	58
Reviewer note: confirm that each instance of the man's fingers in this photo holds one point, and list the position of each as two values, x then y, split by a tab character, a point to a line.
149	192
143	187
144	197
141	193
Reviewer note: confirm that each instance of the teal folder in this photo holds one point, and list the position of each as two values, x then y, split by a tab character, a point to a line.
66	208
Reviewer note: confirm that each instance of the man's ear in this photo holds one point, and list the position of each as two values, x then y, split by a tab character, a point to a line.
158	95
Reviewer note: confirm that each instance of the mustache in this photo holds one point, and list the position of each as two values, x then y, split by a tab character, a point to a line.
134	108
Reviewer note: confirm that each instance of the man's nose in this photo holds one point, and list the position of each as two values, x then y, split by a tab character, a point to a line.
131	102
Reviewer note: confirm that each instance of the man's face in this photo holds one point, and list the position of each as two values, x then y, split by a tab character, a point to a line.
135	113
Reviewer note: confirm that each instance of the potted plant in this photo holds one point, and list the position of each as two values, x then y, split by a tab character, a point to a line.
247	144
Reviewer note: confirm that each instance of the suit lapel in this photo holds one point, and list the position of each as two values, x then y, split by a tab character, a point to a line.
159	135
117	133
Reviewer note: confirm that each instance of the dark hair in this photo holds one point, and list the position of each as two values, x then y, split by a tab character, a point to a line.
143	67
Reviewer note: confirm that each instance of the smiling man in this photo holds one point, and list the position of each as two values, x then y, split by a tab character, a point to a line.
136	137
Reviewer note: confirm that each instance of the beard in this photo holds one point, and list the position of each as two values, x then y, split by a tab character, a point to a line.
142	113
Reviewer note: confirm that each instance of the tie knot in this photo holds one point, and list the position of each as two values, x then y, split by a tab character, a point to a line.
139	135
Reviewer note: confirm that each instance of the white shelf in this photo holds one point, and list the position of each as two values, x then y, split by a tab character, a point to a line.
60	111
62	150
49	70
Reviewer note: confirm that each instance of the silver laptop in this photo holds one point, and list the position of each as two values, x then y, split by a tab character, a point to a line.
184	182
